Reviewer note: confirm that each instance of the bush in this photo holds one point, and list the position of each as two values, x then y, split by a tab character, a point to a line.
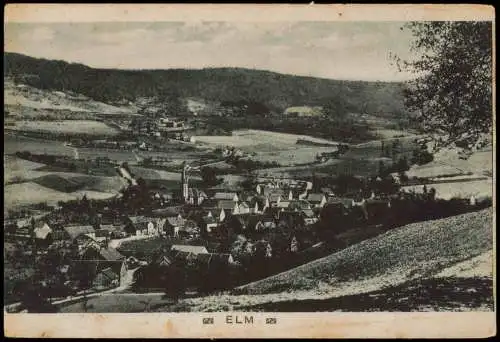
421	157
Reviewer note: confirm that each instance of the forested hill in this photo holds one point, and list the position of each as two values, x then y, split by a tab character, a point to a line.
277	91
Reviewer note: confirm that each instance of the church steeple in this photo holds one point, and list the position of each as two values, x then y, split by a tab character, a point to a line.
185	181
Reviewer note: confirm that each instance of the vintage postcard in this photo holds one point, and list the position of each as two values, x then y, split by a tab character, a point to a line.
219	171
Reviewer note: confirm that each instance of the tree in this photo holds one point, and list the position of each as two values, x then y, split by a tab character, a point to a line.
209	176
452	92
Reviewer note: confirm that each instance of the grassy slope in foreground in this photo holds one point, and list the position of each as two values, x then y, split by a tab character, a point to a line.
418	250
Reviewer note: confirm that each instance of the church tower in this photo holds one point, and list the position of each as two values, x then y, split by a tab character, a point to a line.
185	182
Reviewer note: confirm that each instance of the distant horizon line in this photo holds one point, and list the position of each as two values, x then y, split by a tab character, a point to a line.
203	68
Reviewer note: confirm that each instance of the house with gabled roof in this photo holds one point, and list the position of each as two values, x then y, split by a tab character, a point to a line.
140	225
283	205
310	216
106	278
211	260
228	206
209	224
347	202
274	198
317	200
42	232
259	204
78	235
242	208
218	214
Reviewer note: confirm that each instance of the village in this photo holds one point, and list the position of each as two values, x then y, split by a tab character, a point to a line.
200	240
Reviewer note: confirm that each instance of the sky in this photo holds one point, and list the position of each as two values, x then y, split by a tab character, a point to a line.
335	50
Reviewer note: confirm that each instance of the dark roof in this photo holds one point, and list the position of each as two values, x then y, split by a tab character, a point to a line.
327	190
249	221
163	260
244	204
109	273
315	197
284	204
102	233
346	202
139	219
209	259
261	200
76	231
110	254
209	220
274	197
224	195
268	191
247	196
209	203
165	212
291	214
300	204
225	204
309	213
108	227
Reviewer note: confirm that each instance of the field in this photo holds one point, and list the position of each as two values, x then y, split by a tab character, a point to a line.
16	143
16	195
66	127
477	188
266	146
343	166
17	169
447	162
250	137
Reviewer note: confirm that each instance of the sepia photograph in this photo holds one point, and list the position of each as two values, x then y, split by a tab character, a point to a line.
244	169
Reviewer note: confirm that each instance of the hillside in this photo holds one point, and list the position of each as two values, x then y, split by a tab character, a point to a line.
31	101
277	91
414	251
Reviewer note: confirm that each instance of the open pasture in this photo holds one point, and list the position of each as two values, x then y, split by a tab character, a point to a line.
16	143
477	188
447	162
67	127
253	140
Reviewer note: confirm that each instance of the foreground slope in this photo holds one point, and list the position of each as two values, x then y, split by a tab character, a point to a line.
418	250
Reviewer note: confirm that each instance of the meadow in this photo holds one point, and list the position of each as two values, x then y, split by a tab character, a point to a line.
88	127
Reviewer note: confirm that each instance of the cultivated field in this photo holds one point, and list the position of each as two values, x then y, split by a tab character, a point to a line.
28	193
17	169
66	127
267	146
15	143
254	138
447	162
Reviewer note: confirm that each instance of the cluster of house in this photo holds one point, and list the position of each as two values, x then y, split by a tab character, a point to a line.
162	127
105	267
262	209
